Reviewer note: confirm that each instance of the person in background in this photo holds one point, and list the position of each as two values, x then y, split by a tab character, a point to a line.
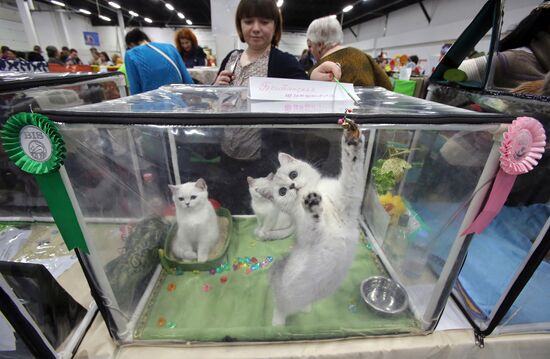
523	58
325	37
73	58
9	54
36	54
189	49
259	24
104	59
53	55
4	51
95	56
150	65
117	59
64	54
307	60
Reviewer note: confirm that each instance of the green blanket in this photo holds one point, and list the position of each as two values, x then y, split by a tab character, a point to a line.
236	304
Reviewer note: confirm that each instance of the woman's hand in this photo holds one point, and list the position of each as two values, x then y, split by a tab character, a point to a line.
224	78
327	71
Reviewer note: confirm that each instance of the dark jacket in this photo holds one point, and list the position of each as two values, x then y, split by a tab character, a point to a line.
195	57
281	65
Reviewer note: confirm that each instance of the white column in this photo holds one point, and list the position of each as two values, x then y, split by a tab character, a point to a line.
28	25
65	40
222	13
121	33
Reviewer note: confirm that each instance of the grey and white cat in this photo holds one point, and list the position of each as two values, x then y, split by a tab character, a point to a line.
197	222
325	213
272	222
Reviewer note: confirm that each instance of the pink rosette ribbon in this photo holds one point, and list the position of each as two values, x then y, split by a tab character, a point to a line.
522	146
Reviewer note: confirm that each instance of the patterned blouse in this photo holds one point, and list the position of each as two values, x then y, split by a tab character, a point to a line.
244	143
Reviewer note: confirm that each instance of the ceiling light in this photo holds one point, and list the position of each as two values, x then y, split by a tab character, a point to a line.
347	8
103	17
189	22
133	13
58	3
114	4
280	3
147	20
181	16
84	11
169	6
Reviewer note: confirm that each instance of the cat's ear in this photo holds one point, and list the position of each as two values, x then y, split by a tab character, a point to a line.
250	180
201	184
265	192
173	188
285	158
270	176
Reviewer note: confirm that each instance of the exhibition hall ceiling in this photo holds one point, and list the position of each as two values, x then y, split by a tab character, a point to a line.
297	14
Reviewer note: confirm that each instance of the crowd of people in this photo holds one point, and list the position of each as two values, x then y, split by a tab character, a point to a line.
259	25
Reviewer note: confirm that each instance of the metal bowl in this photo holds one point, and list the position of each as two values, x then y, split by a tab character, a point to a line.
384	295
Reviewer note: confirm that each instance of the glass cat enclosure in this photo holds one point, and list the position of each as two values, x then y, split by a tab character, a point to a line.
321	232
36	92
510	298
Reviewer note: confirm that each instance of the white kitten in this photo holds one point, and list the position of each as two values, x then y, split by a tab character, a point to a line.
197	221
325	212
272	222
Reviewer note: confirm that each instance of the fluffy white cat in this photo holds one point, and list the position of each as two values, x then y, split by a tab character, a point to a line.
197	222
272	222
325	213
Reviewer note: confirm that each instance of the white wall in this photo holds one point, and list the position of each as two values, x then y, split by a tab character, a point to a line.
408	31
12	32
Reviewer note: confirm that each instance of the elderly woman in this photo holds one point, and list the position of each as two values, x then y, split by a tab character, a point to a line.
324	37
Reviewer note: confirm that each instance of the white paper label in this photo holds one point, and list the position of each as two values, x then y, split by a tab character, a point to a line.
35	143
274	89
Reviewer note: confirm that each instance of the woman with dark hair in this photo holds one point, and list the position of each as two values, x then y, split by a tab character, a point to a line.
104	59
189	49
260	25
150	65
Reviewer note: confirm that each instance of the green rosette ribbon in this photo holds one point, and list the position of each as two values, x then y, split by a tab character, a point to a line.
35	160
34	144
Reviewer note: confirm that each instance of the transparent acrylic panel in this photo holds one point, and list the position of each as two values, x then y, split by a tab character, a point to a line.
11	344
530	312
421	182
230	295
119	176
498	254
155	292
38	300
19	193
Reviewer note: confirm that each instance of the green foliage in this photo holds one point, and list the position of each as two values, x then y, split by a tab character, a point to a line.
384	181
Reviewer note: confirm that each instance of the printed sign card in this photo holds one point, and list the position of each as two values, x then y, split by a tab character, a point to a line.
274	89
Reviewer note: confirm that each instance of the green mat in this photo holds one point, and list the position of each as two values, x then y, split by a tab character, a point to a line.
236	305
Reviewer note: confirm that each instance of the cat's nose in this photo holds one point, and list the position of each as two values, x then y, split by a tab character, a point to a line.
292	186
187	204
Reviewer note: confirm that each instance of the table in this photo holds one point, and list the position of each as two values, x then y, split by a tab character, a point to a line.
204	74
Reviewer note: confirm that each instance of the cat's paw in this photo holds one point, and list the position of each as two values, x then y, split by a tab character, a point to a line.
312	204
259	233
353	137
